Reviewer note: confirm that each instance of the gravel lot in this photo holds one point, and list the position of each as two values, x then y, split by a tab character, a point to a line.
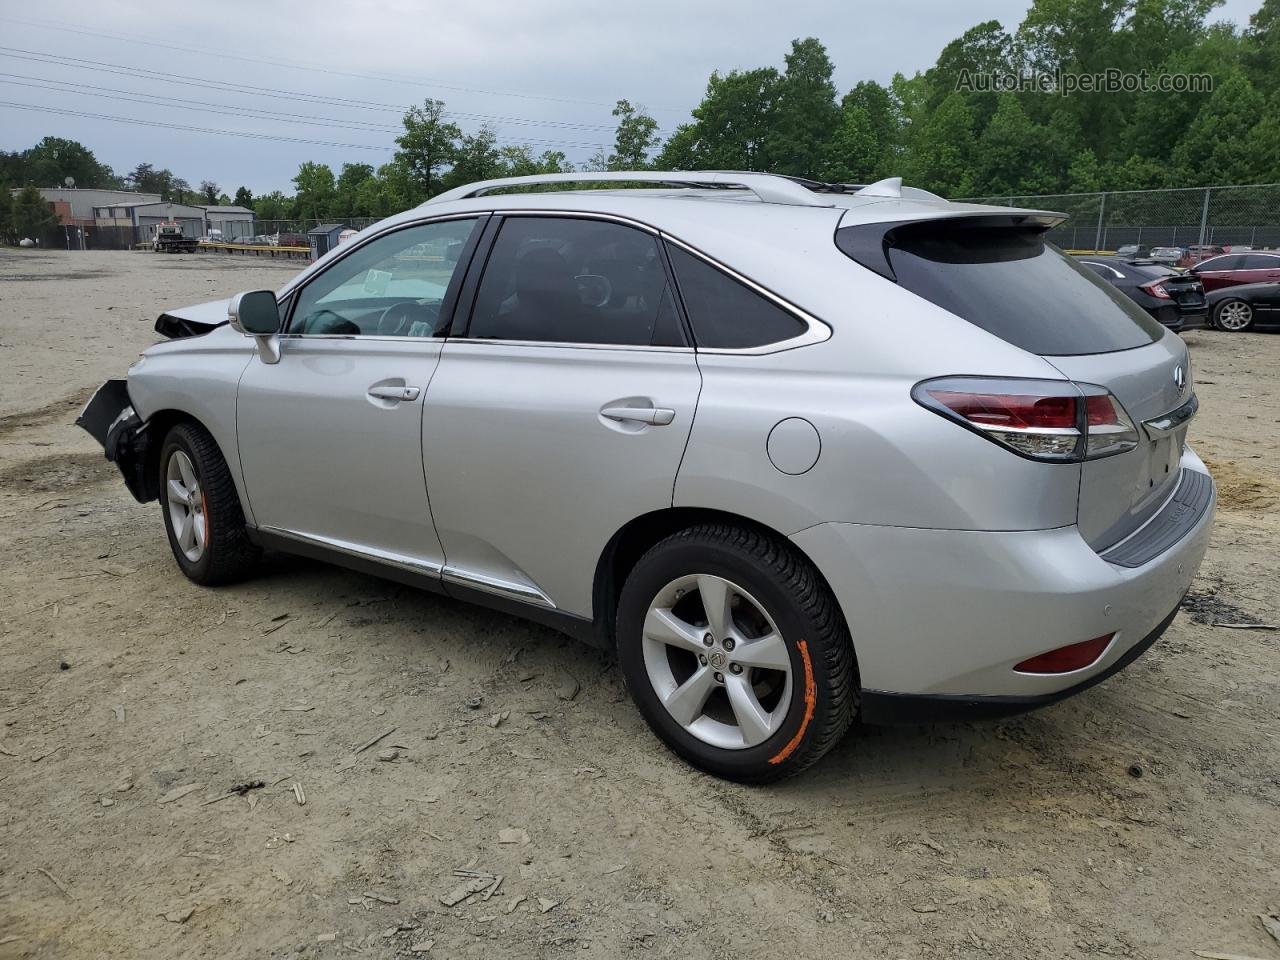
131	702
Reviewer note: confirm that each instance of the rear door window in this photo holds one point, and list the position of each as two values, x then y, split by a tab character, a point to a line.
1011	283
724	313
575	281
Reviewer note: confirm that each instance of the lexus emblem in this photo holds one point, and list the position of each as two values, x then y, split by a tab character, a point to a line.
1179	377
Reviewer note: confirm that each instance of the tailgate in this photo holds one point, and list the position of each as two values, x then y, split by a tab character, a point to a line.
1118	494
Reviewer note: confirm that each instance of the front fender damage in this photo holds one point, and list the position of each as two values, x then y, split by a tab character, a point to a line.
110	419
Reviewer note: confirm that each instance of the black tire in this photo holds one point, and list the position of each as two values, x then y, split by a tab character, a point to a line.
228	554
825	688
1222	305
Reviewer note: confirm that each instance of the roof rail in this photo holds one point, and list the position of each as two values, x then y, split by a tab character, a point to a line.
768	187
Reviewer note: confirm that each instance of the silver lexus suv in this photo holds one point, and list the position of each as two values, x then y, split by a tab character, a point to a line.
799	453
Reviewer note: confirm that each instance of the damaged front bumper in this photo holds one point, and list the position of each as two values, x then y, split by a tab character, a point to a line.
110	419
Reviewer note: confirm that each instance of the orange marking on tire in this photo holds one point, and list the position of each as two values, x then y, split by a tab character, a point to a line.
810	703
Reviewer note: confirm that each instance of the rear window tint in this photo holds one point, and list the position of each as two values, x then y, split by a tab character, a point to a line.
1012	284
723	312
1153	271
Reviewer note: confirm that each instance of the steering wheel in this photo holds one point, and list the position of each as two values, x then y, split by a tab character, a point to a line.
400	318
325	321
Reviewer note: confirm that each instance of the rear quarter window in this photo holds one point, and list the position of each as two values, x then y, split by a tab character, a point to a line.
1011	283
725	313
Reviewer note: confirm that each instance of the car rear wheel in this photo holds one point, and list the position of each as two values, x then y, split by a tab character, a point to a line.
202	513
735	653
1233	315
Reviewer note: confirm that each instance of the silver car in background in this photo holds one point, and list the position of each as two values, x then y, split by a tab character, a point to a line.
799	453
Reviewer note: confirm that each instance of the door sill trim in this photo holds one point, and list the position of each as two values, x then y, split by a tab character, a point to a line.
495	585
359	551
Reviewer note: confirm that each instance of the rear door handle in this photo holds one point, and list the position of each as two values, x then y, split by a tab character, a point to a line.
657	416
394	393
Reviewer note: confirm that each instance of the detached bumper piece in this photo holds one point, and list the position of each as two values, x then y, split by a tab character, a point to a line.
1174	521
110	419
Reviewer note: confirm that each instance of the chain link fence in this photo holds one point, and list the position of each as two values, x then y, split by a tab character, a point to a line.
1235	216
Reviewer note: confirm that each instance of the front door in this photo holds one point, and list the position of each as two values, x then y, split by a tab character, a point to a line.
563	412
330	436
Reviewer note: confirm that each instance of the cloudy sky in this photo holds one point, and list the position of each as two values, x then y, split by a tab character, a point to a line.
542	72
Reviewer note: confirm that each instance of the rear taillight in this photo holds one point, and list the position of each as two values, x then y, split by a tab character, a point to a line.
1067	659
1052	420
1156	289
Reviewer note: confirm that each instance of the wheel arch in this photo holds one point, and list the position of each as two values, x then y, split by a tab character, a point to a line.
635	538
158	426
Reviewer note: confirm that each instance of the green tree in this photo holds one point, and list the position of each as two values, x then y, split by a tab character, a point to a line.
6	213
476	157
1215	148
983	50
244	198
854	154
427	146
1261	53
273	206
942	149
209	192
32	216
807	113
730	126
636	135
346	203
1011	156
316	191
53	159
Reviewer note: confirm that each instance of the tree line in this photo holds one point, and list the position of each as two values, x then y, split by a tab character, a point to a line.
933	128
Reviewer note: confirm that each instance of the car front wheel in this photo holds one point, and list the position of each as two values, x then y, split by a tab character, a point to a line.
202	513
1234	315
735	653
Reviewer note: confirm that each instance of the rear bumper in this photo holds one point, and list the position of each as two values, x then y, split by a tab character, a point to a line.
891	709
947	614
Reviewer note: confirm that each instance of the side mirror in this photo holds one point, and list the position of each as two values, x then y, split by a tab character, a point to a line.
256	314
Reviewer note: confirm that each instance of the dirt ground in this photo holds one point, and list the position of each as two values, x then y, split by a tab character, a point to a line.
132	702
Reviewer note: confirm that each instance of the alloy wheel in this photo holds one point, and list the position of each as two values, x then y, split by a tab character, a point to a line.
1235	315
717	661
186	506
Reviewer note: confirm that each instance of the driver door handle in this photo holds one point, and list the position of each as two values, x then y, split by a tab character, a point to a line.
657	416
394	393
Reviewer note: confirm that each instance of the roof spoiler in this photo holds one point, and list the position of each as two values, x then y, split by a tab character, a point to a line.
869	243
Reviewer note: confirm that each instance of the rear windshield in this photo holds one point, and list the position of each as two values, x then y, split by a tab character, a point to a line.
1152	270
1011	283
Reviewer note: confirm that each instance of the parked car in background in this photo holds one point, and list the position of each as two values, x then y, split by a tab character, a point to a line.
1175	299
1170	256
634	415
1233	269
1201	251
1133	250
1251	306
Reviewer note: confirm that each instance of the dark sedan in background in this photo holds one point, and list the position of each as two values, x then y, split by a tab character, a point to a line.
1176	300
1251	306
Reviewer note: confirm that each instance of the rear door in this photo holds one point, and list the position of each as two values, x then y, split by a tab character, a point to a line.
562	411
1218	272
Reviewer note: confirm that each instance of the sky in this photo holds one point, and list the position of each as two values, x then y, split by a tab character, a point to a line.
541	72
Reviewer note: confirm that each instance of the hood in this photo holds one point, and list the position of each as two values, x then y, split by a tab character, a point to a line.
192	321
